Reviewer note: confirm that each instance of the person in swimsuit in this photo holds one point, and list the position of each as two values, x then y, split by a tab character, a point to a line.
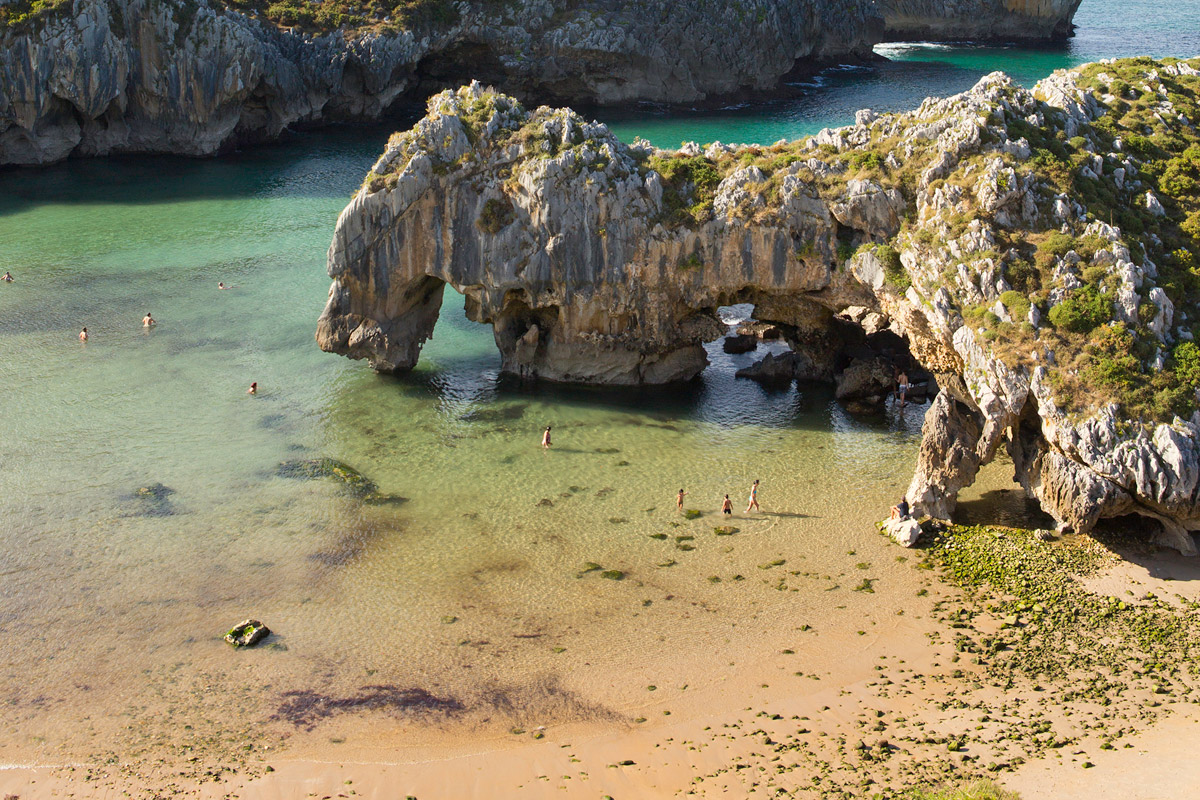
902	387
253	388
679	499
546	438
148	321
8	278
753	498
900	510
83	335
727	506
221	285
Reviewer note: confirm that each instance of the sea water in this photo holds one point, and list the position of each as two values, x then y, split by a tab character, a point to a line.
477	577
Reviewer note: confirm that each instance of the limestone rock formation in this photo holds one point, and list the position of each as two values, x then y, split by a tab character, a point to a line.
971	226
905	531
977	20
92	77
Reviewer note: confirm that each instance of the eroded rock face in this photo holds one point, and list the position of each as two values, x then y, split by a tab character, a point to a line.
977	20
605	263
192	76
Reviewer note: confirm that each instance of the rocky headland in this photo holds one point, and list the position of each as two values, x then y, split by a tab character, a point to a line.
195	77
1035	250
977	20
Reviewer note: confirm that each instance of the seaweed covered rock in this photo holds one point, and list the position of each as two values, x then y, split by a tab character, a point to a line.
1002	234
347	476
247	633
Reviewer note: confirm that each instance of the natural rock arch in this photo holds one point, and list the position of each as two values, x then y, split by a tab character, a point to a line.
605	263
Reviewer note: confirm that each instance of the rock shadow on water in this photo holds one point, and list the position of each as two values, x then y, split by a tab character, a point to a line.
306	708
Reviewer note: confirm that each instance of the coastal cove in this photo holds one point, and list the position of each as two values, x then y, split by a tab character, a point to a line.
490	597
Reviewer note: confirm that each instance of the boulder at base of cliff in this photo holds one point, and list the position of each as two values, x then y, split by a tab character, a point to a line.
763	330
865	378
904	531
772	369
247	633
741	343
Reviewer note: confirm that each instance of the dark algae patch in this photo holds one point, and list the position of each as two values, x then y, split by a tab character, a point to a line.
306	708
353	481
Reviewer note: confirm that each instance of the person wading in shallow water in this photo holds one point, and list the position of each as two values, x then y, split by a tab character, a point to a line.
727	506
546	438
83	335
148	321
679	499
253	388
753	498
7	278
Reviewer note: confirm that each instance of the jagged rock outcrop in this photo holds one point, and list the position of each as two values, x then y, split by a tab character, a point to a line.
977	20
94	77
965	225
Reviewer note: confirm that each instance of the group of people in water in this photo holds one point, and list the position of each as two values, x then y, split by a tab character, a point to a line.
726	504
149	321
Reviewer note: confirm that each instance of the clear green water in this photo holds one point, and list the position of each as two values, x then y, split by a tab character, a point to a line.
98	600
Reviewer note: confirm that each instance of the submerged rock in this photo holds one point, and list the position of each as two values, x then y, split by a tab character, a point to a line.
351	479
153	500
247	633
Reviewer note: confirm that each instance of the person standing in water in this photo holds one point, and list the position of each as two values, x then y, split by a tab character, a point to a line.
148	321
902	387
727	507
679	499
83	337
253	388
8	278
546	438
753	498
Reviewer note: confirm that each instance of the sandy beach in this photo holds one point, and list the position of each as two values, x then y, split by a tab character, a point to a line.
876	693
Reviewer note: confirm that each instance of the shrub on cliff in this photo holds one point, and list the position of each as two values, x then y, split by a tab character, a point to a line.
1082	312
495	216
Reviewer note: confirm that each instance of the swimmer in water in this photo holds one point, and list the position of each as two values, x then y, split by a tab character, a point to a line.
546	438
221	285
148	321
83	337
7	278
253	388
679	499
753	498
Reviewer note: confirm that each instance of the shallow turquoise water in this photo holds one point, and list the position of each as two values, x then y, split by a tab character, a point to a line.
88	579
1106	29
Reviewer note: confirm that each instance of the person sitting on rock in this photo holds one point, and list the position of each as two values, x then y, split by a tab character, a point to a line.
901	510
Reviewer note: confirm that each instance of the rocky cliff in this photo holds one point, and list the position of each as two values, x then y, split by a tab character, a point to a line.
91	77
977	20
1037	249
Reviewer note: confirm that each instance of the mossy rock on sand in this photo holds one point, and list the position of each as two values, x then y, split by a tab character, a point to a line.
351	479
692	513
725	530
247	633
